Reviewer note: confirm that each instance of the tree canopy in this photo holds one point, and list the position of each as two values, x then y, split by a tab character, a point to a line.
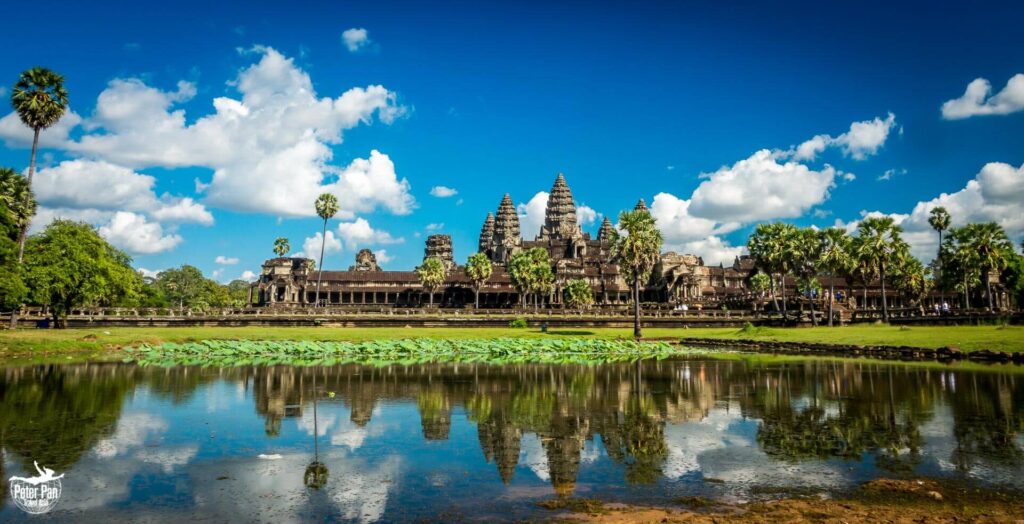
69	265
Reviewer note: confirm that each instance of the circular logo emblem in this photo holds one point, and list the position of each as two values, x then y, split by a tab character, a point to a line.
37	494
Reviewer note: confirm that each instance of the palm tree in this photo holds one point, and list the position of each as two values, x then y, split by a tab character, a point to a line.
880	241
861	268
17	197
760	284
637	252
993	248
479	269
835	257
578	294
770	244
326	207
940	221
40	100
960	262
281	246
804	256
432	274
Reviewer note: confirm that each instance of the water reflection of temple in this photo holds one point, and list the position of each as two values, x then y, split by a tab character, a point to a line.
805	411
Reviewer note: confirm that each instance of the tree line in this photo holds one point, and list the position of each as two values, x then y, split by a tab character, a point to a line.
876	252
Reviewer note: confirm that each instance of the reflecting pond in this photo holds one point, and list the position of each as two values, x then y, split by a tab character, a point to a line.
451	441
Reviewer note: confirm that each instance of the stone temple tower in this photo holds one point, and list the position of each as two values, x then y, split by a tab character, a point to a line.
506	231
605	233
486	245
440	246
560	216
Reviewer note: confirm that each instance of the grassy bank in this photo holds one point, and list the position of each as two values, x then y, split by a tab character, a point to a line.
100	340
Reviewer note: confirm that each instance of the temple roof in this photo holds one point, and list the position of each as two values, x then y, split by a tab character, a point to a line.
506	226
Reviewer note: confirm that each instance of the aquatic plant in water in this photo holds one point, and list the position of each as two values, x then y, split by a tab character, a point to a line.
401	351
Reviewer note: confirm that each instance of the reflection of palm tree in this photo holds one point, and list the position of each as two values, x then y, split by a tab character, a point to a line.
316	472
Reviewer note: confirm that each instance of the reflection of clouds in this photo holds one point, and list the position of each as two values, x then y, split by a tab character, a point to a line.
940	446
721	447
132	430
324	421
590	452
351	437
168	458
533	456
362	493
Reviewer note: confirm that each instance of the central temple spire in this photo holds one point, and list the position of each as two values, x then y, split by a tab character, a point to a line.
560	216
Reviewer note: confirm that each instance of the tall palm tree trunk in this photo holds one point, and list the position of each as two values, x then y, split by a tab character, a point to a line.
636	310
831	297
775	298
28	195
814	318
938	279
320	266
988	291
476	299
782	287
967	294
24	227
885	303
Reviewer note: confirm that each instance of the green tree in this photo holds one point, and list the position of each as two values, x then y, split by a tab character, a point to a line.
993	248
836	259
40	100
432	274
68	265
804	257
281	246
961	268
542	278
521	274
880	241
185	286
910	276
18	207
760	284
636	252
326	208
578	294
770	245
479	269
940	220
238	293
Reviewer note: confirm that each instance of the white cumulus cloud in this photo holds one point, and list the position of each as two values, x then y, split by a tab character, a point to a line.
382	256
133	233
531	215
355	38
311	245
225	261
358	233
761	188
248	276
864	139
443	191
979	100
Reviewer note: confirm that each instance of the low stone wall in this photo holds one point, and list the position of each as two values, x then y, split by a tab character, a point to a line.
845	350
395	321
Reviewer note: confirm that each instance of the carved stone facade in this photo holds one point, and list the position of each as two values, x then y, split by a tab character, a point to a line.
365	261
440	247
677	279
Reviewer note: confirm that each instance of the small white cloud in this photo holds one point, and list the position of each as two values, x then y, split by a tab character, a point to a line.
217	274
670	168
225	261
976	100
586	215
359	233
531	215
847	177
889	173
135	235
437	226
864	139
355	39
443	192
147	272
311	245
248	276
821	213
382	256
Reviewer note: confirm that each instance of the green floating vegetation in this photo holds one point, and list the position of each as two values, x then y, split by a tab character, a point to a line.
402	351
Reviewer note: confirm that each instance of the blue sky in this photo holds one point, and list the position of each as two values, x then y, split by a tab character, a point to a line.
699	108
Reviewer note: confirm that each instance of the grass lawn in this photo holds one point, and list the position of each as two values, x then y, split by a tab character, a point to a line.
101	340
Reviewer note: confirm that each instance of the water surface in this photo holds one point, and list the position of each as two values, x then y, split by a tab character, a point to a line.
467	441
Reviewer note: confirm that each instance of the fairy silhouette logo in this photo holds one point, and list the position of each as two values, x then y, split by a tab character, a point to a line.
37	494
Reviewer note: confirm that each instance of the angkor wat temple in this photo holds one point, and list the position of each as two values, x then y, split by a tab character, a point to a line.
677	278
